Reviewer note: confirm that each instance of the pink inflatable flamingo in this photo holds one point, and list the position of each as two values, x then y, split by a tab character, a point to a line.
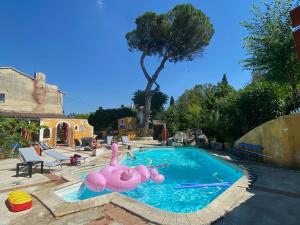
116	177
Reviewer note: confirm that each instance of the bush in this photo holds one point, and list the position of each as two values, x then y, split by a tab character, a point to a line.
106	119
260	102
11	135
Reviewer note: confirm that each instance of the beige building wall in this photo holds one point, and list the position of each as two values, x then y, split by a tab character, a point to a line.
78	128
24	94
280	139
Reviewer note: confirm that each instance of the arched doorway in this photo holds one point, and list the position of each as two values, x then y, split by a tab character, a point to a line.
62	134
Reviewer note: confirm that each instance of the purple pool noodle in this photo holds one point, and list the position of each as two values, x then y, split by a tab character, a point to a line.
224	184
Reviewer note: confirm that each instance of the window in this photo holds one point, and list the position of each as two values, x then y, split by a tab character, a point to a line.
81	128
76	128
46	133
2	97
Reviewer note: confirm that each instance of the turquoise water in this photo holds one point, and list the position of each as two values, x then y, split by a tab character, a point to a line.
185	165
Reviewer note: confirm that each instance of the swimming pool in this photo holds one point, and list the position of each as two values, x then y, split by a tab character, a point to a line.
185	165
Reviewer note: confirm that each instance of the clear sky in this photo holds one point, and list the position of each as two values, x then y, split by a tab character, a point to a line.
80	45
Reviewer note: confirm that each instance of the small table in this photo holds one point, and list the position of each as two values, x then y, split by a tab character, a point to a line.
29	164
97	151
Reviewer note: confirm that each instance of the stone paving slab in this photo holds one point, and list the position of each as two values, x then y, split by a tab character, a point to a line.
10	181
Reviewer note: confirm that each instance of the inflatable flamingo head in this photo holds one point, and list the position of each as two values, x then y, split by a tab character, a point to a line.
127	174
95	182
114	158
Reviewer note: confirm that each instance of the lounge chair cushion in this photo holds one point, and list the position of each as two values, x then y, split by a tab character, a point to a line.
125	140
56	155
109	139
59	156
30	155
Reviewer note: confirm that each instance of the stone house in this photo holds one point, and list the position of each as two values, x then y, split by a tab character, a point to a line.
31	98
22	94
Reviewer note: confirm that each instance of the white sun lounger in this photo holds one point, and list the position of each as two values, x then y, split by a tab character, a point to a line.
59	156
126	141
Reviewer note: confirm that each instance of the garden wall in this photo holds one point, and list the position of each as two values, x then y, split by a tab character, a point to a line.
280	139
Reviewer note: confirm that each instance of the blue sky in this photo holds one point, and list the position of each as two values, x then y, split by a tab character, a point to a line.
80	45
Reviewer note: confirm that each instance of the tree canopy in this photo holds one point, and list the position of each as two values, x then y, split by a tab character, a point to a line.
172	101
270	45
177	35
181	34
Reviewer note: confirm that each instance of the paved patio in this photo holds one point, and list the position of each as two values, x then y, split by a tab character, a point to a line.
275	198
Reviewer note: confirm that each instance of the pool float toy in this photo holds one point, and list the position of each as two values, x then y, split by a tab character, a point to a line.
120	178
195	185
19	201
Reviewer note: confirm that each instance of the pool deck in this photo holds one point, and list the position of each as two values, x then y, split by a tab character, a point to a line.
257	205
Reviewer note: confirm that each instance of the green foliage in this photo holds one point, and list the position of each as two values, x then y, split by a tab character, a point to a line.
229	125
80	115
106	119
260	102
171	119
11	134
252	106
179	34
223	113
194	106
172	101
270	45
158	101
187	106
223	88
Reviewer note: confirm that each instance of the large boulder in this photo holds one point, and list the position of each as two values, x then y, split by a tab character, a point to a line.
186	138
201	139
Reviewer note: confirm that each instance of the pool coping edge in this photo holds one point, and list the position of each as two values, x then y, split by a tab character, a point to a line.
235	195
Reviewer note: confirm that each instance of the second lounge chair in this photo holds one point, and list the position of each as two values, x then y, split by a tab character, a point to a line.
60	157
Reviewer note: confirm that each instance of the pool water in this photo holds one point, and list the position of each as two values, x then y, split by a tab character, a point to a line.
185	165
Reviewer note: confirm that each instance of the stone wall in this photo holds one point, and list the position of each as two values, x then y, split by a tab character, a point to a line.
24	94
78	128
280	139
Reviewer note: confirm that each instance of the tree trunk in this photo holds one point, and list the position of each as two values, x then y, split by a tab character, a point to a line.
147	111
295	95
149	92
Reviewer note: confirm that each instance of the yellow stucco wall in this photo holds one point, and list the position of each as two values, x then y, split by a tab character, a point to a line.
127	123
280	139
84	129
127	126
